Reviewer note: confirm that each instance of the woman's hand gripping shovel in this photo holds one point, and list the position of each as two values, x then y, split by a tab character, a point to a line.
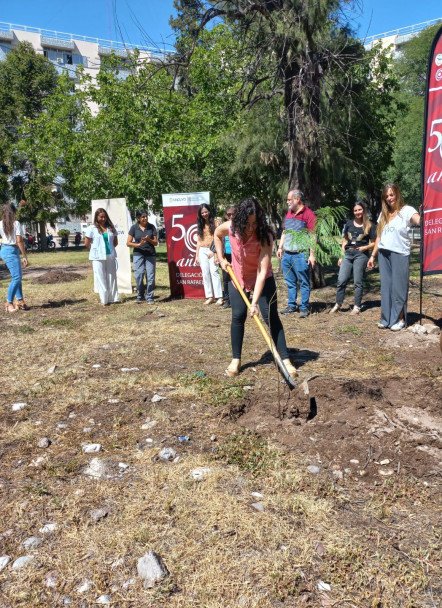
279	362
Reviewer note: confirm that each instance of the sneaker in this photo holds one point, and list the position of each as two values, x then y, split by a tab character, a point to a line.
139	301
219	302
303	314
398	326
226	304
382	326
209	301
335	308
288	310
356	310
150	302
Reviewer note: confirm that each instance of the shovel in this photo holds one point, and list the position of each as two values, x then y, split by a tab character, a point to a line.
279	362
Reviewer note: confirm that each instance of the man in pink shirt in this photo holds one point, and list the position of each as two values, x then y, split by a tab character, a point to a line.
296	263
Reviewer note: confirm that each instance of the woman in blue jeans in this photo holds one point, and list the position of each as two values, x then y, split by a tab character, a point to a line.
12	234
359	236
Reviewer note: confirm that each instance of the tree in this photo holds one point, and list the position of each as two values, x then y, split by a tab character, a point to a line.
300	52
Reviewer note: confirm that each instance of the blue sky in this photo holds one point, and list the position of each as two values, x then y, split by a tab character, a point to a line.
146	21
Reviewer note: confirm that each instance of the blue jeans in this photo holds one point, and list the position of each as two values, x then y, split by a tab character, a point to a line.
10	254
354	262
145	265
296	268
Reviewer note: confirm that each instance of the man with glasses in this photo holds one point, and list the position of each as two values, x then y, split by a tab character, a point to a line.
294	262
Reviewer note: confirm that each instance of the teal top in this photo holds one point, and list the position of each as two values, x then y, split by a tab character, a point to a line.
106	242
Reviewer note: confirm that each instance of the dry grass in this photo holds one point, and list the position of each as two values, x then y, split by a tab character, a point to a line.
380	542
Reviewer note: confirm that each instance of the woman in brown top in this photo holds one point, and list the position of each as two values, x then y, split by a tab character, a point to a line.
204	257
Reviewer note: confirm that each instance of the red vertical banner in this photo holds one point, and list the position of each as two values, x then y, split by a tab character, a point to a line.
180	210
432	164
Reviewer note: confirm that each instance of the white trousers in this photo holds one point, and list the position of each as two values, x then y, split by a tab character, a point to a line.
105	279
211	278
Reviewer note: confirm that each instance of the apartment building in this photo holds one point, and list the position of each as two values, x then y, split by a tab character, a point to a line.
68	51
397	38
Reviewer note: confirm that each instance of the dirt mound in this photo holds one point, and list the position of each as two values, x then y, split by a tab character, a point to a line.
57	276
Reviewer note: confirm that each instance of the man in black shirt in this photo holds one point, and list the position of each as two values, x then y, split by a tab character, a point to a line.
143	238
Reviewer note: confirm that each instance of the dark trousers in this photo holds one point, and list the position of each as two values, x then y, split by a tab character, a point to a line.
354	262
268	306
226	279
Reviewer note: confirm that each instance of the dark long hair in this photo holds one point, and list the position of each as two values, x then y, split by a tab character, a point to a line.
201	223
366	224
9	215
251	206
108	220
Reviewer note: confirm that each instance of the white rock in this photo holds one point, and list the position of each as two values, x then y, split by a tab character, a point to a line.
256	494
72	415
338	474
151	569
128	583
354	461
85	586
258	506
52	369
148	425
48	528
323	586
103	599
4	561
386	472
113	401
419	329
432	329
51	579
123	466
22	561
37	462
167	454
16	407
386	461
212	437
117	563
96	366
91	448
98	514
96	469
32	543
62	425
43	442
313	469
200	473
87	429
157	398
130	369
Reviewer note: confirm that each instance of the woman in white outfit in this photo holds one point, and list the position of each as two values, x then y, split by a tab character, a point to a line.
206	258
394	245
101	240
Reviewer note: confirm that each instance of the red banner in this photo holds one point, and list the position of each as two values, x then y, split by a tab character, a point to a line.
186	279
432	164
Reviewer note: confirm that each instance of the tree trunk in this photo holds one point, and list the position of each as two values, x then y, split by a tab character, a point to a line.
42	233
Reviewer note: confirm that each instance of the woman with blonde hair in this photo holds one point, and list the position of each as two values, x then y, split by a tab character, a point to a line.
12	234
393	243
359	235
101	239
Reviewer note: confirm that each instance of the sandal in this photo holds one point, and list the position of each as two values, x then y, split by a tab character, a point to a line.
21	305
10	307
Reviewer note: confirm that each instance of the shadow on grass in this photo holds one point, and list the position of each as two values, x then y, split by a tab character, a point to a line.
300	357
61	303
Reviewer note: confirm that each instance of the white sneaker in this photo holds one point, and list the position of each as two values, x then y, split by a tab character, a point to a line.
398	326
356	310
382	326
335	308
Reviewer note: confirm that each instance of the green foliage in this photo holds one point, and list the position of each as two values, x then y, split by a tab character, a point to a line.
215	392
324	239
247	450
64	232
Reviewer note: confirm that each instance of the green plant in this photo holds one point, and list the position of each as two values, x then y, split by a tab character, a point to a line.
63	232
351	329
248	450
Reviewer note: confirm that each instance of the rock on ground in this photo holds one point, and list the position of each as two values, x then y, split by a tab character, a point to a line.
151	569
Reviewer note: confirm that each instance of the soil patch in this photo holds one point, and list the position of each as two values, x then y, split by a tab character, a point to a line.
57	276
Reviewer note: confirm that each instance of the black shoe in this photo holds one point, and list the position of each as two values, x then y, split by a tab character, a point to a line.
288	310
226	304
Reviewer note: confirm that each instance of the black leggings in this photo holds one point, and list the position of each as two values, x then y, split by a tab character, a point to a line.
266	300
